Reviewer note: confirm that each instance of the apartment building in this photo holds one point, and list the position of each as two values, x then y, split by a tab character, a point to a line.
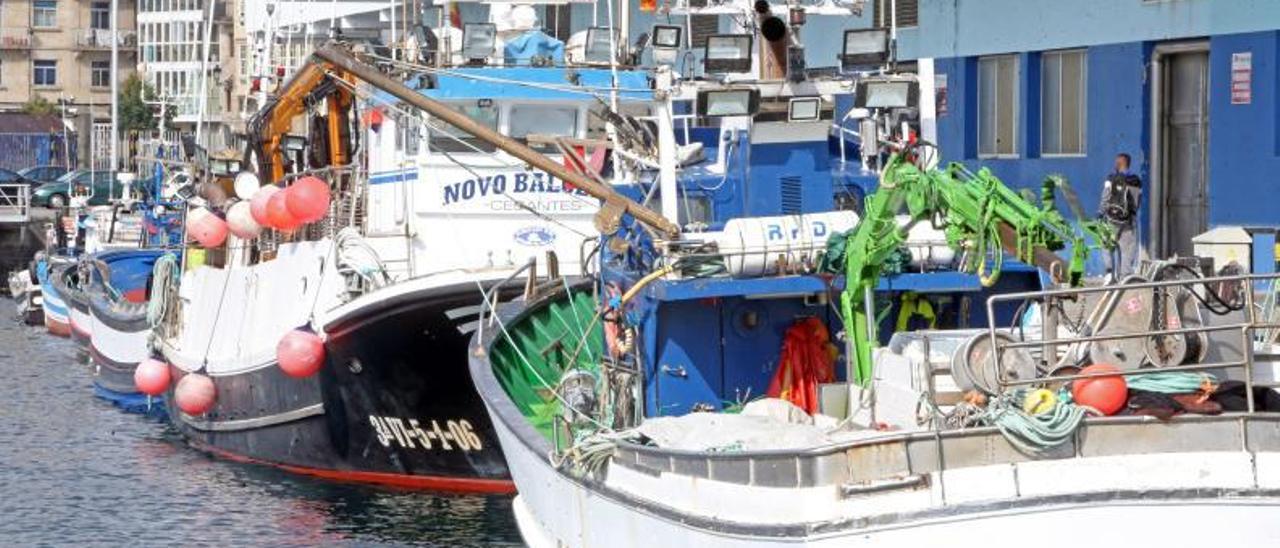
61	50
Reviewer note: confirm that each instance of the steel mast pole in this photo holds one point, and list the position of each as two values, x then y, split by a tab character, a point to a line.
115	83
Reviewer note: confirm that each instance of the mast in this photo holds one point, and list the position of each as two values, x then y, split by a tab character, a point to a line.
115	82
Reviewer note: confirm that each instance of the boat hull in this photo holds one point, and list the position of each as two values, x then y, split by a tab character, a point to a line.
119	330
56	316
393	403
959	485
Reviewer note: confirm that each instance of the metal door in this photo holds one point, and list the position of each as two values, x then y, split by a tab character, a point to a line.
1184	135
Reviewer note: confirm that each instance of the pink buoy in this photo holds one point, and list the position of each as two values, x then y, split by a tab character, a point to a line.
151	377
278	216
195	394
240	219
300	353
258	204
208	229
308	199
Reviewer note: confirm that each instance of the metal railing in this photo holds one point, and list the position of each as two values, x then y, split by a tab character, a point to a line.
101	38
15	203
1247	323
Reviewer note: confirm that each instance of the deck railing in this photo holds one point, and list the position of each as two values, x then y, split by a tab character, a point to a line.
1246	320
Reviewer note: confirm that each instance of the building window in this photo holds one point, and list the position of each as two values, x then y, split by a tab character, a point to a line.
998	105
100	74
908	12
44	14
100	15
44	72
1063	85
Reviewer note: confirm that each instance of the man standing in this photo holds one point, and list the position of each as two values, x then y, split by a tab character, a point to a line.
1121	194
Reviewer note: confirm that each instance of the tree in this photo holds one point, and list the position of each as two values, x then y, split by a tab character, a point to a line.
39	106
135	114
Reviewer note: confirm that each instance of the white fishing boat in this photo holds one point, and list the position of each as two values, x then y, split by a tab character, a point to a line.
740	384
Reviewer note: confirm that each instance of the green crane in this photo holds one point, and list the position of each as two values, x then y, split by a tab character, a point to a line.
980	215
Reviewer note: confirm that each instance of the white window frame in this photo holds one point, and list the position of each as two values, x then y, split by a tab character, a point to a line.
1017	106
1084	107
34	68
94	13
93	71
36	12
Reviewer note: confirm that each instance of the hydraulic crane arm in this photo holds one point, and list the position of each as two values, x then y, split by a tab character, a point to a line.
980	216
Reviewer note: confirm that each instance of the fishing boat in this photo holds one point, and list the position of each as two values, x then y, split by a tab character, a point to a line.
119	326
57	318
422	217
745	383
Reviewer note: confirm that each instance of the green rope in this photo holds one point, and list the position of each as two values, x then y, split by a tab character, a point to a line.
1171	382
1034	434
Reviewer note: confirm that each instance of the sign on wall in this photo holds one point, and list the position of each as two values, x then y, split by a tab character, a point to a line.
1242	78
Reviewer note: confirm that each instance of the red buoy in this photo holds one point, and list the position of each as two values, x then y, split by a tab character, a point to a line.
300	353
1106	394
308	199
195	394
278	216
151	377
258	204
208	229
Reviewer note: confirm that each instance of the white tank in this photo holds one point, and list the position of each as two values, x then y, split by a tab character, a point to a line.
754	246
928	245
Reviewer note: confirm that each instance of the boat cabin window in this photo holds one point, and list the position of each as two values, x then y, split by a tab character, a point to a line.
447	138
543	120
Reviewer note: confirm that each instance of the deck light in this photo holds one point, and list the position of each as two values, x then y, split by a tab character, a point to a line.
599	45
478	41
728	53
666	43
886	92
804	109
728	102
864	48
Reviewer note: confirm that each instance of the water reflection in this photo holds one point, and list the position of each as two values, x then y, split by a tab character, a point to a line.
73	470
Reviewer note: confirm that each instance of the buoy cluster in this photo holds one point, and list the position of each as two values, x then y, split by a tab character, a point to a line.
271	206
300	352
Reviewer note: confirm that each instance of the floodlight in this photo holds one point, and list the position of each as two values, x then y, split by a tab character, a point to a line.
478	40
728	53
865	48
599	47
728	102
886	93
804	109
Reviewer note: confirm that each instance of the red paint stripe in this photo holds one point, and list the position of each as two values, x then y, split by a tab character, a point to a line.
432	483
60	329
138	295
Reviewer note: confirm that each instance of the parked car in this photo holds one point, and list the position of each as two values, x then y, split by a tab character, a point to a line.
42	174
7	176
100	185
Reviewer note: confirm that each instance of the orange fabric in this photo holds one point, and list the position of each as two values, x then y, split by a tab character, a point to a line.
806	361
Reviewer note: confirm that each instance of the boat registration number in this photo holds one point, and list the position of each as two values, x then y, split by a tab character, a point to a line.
413	434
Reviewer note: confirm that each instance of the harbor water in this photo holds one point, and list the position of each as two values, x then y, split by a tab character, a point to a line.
76	472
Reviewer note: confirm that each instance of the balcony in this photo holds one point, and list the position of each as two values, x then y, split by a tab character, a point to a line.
15	38
100	39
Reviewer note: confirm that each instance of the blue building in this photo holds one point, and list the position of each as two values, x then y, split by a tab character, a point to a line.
1187	87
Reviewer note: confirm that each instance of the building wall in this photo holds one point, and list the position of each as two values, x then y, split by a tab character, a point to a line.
68	45
1243	141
